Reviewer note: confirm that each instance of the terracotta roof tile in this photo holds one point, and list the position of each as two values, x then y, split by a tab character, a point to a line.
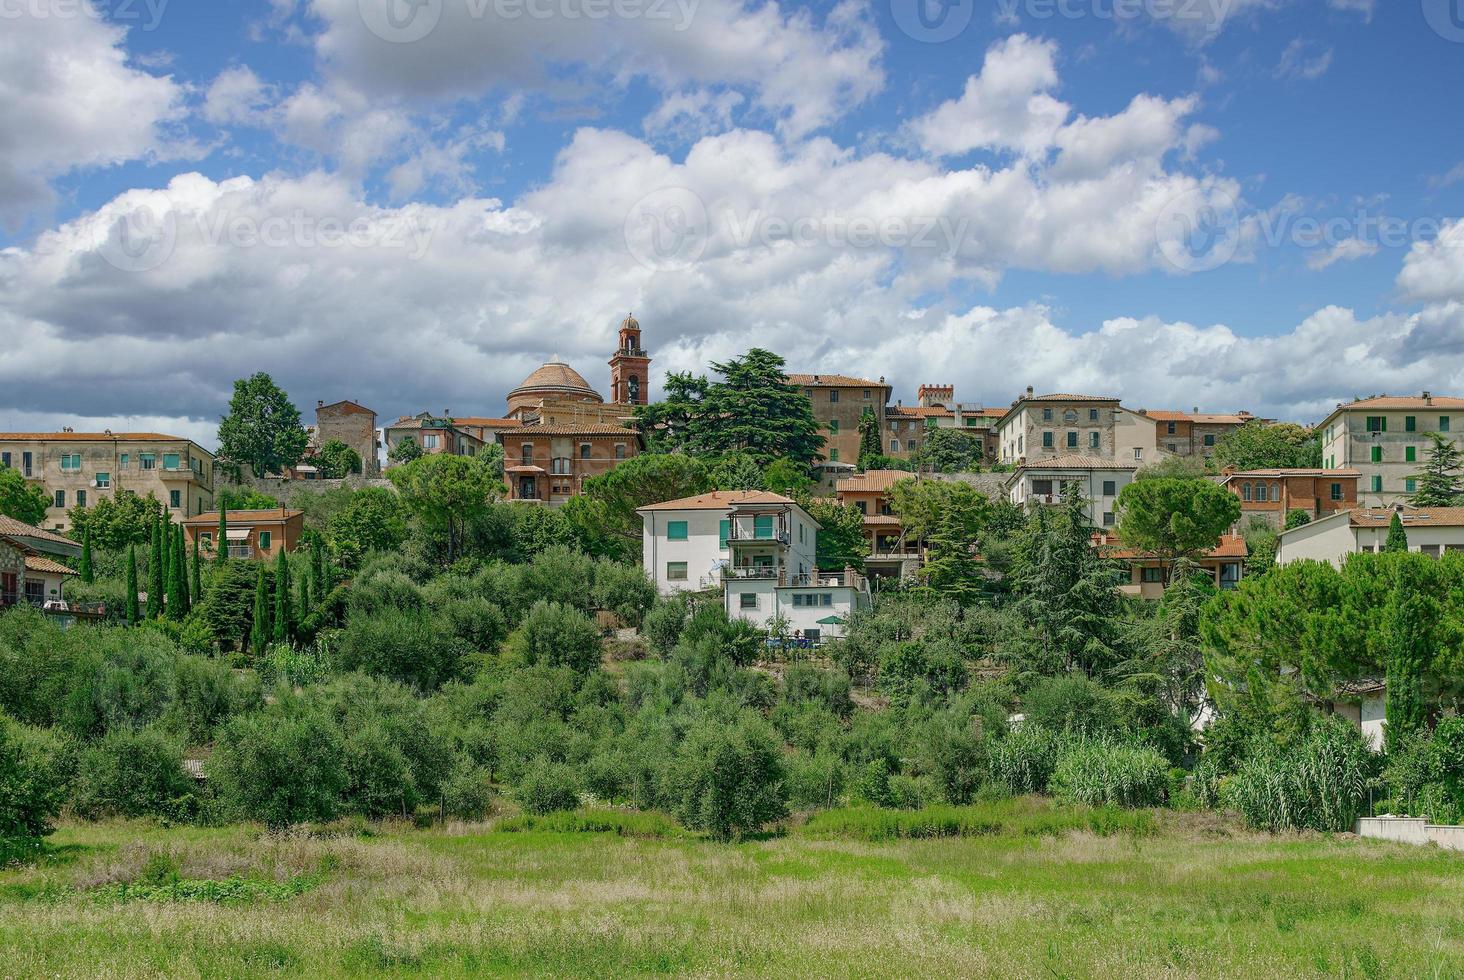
719	500
211	517
10	527
1075	461
587	429
90	437
1229	546
872	481
39	563
1279	474
832	381
1412	517
1395	401
555	376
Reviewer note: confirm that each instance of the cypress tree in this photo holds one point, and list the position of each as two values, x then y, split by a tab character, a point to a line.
173	606
1406	637
282	598
180	564
221	543
155	573
85	568
1397	537
259	626
305	607
132	613
197	572
321	571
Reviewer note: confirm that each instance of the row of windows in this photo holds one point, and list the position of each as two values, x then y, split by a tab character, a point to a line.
1095	440
561	464
1043	488
1070	416
71	462
1410	485
1410	454
1263	493
266	538
1379	423
834	394
58	498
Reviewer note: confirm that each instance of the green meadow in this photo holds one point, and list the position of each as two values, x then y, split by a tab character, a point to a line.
1011	889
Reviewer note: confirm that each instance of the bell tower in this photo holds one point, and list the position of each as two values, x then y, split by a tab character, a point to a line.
630	367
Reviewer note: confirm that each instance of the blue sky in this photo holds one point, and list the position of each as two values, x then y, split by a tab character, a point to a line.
516	182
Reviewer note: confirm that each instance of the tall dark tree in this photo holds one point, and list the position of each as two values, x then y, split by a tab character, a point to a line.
180	565
870	445
155	573
1397	536
611	500
259	627
221	542
1439	482
1409	610
85	568
197	588
262	428
132	612
738	471
950	451
321	572
950	567
841	541
173	605
1260	445
283	595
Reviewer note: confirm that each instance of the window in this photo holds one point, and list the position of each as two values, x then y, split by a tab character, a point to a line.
1336	491
1377	454
1047	440
1443	423
1377	484
1432	550
1110	488
170	461
762	526
833	455
429	442
1042	487
206	539
175	498
1094	439
104	481
971	422
1410	423
1172	447
1092	415
1245	491
4	459
676	530
1152	574
1171	429
526	453
676	571
1410	454
1377	423
561	466
724	529
894	446
1210	439
834	395
834	426
1047	415
81	498
584	450
1138	452
1072	440
147	461
266	539
1108	518
620	450
59	499
1410	485
124	462
747	600
25	464
1263	492
70	462
866	394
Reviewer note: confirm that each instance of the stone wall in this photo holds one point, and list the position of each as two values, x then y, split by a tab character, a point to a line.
352	426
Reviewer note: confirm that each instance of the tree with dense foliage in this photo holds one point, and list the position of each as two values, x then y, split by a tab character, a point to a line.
1296	518
282	596
950	451
1173	519
180	562
21	499
923	506
30	786
132	612
234	497
406	450
447	493
950	567
649	478
1440	483
788	478
871	447
116	520
155	573
221	540
1261	445
196	569
751	409
84	569
262	428
281	767
1397	536
1406	617
259	626
729	778
841	540
738	471
373	520
336	460
556	635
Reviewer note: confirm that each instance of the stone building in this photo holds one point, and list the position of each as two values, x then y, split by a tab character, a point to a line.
76	469
351	423
839	402
1386	439
1272	494
30	571
434	435
1042	427
1193	433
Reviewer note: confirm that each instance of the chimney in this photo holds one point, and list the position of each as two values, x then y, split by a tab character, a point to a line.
1428	398
320	403
1030	393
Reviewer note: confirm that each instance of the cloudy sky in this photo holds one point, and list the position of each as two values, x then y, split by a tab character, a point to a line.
1216	203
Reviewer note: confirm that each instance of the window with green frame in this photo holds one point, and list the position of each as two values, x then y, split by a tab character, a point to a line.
676	530
1377	454
1377	484
265	540
724	530
762	526
1410	454
1410	423
834	426
1377	423
1443	423
170	461
1410	485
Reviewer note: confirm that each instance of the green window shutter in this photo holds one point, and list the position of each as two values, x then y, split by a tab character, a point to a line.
1410	485
676	530
724	528
265	540
834	426
1377	454
170	461
1410	454
762	526
1410	423
1377	484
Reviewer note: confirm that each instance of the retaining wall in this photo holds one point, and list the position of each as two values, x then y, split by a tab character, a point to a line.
1411	830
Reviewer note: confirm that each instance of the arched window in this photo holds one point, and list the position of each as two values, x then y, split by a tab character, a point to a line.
1245	491
634	388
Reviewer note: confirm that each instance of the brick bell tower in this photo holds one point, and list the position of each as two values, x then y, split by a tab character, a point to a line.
630	367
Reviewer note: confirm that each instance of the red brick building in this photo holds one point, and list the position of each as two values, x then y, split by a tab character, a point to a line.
1272	494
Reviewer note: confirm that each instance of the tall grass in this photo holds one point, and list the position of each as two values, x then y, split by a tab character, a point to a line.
1102	772
623	823
1318	786
1028	817
1023	760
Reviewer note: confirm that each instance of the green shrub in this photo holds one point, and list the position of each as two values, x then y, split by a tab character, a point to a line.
623	590
814	781
1425	773
132	774
410	646
1023	759
548	786
1028	817
1318	785
663	624
31	786
281	766
467	793
1076	703
1102	772
729	778
556	635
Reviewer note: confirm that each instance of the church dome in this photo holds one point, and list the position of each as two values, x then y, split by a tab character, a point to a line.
552	379
630	323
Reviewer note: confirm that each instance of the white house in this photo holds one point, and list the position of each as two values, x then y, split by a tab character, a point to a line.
1041	481
1431	530
760	550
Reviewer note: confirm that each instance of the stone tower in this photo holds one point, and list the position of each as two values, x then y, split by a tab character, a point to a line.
630	367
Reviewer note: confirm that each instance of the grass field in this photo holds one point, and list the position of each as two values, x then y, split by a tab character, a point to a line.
848	894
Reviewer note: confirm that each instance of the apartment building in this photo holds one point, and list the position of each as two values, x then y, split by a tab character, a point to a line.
759	549
1047	426
550	463
1041	482
1272	494
839	402
261	534
1431	531
889	553
1145	573
1386	439
76	469
433	435
1194	433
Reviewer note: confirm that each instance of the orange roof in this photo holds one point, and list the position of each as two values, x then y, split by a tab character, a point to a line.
1200	418
919	411
719	500
90	437
1411	516
1417	401
37	563
872	481
489	423
273	514
354	408
1229	546
1068	397
1279	474
10	527
555	376
881	520
587	429
1074	461
832	381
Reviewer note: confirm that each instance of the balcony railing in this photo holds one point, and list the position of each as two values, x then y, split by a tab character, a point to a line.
828	580
241	551
743	533
756	572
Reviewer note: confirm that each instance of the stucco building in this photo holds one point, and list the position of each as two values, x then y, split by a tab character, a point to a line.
1431	531
261	534
1041	482
1386	439
1038	427
839	402
1194	433
76	469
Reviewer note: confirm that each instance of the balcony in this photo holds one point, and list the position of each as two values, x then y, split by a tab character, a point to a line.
828	580
739	532
763	573
241	551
